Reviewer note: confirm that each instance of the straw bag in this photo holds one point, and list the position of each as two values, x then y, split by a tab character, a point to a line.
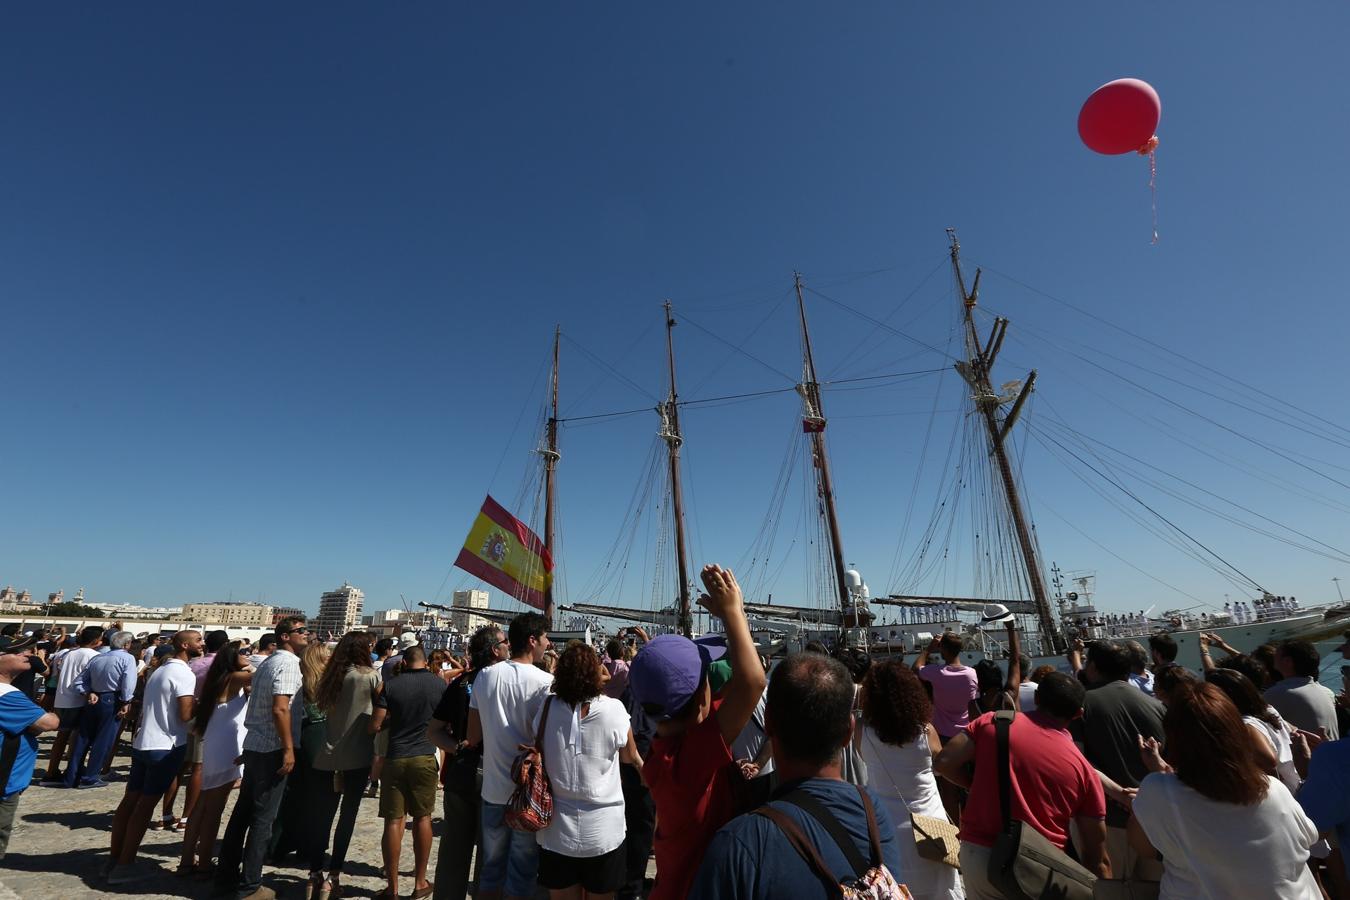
936	839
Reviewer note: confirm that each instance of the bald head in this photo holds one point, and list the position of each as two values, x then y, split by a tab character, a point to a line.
187	644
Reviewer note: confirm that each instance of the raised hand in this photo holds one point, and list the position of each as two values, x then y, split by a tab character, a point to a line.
723	599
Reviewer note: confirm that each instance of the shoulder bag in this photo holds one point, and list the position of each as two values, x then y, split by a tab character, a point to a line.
1023	864
870	880
531	805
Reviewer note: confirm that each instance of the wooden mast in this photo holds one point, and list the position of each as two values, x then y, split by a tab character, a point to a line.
813	422
975	370
551	457
670	433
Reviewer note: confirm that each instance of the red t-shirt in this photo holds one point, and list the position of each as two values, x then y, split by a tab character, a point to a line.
1051	781
689	777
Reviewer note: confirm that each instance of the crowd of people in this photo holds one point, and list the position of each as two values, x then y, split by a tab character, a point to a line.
827	771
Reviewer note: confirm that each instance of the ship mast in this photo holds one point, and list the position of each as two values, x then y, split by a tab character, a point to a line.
551	457
813	422
670	433
975	370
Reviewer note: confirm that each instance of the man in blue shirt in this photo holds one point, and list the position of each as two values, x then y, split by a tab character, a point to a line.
809	720
21	721
1325	795
108	684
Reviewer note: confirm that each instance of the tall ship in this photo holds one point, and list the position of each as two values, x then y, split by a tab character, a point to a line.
1052	608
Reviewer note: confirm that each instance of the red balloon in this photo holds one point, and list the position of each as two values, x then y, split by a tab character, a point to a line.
1120	117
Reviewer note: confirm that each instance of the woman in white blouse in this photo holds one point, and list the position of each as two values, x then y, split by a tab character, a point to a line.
898	742
585	735
1224	827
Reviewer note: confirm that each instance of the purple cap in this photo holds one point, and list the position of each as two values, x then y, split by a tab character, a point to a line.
669	669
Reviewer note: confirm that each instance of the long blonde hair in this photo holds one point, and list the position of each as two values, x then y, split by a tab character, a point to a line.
312	663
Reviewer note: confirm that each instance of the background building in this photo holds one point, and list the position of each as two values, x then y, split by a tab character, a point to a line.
287	612
339	610
466	622
237	614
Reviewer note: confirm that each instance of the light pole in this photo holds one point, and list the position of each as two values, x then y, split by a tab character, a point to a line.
1337	582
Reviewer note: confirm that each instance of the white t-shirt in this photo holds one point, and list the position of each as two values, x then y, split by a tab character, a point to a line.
72	664
1218	851
581	755
1277	738
507	697
1026	696
161	728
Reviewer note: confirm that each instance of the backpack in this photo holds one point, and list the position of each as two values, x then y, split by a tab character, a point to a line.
531	805
870	881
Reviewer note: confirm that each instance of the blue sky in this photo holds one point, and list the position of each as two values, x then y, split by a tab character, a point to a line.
277	281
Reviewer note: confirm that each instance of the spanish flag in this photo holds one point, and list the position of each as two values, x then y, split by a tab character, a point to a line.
506	554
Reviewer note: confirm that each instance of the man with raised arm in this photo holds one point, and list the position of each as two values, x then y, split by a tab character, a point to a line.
688	770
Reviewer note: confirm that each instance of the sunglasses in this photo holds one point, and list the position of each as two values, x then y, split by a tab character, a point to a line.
294	631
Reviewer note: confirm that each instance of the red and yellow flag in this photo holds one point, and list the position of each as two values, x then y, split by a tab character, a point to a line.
506	554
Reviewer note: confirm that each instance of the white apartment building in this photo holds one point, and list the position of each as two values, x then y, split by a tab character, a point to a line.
465	622
339	611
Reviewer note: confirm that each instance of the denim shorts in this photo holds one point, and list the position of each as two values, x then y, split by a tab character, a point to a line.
152	771
510	857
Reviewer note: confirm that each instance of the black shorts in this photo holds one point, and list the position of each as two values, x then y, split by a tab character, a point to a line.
603	874
69	718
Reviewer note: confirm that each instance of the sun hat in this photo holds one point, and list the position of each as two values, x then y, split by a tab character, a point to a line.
995	614
669	669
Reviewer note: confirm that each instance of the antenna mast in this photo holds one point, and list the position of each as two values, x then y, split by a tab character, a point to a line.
975	370
670	433
813	422
551	457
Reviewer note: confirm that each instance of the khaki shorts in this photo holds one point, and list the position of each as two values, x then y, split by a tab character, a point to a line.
194	753
408	787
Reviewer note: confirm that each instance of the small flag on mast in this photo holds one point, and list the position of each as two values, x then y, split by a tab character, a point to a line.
504	552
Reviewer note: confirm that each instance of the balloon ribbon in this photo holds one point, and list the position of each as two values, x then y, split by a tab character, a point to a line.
1150	149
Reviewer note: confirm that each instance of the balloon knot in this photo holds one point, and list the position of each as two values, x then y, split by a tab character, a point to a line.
1149	146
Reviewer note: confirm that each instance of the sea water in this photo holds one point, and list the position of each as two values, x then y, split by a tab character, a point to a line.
1332	674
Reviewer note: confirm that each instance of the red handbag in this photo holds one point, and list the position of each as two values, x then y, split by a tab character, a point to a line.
531	805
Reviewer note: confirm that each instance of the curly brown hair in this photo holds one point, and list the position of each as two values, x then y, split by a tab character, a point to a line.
579	675
894	703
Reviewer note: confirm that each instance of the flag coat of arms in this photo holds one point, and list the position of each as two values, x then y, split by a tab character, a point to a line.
504	552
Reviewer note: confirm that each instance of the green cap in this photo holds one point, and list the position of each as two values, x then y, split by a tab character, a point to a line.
719	673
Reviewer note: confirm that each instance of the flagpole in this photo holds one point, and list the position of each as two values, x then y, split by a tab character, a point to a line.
670	433
551	457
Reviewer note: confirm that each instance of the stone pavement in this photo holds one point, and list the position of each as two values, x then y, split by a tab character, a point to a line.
60	842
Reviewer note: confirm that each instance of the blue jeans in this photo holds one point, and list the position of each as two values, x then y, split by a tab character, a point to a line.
509	857
260	792
94	736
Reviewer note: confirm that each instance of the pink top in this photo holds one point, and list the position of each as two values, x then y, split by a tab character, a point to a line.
953	688
618	678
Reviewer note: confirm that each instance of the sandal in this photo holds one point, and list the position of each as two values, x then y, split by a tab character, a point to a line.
178	825
161	823
424	893
386	893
